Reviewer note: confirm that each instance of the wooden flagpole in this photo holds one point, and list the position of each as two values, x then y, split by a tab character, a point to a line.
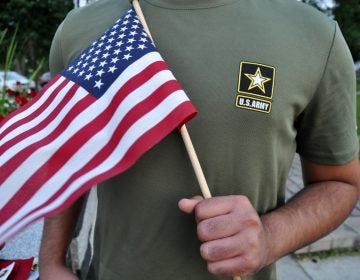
183	130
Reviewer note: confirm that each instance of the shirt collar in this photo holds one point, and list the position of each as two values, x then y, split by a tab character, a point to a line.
189	4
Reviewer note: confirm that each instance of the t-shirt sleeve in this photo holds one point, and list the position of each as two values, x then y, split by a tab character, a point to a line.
327	127
56	61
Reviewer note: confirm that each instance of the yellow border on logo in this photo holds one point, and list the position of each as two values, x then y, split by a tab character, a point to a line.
250	108
258	64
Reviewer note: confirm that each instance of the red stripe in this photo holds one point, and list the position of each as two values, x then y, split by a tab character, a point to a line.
141	78
65	152
37	112
175	119
26	191
40	126
128	87
8	167
29	104
178	116
61	156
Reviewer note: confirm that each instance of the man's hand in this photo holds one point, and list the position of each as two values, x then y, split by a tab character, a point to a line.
58	272
234	238
236	241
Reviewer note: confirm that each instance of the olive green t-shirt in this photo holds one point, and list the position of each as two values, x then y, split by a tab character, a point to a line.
268	77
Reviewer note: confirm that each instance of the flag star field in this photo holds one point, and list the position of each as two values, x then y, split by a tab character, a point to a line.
100	64
91	122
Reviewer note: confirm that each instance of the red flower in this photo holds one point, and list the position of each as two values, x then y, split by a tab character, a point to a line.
18	83
32	93
10	91
21	100
1	118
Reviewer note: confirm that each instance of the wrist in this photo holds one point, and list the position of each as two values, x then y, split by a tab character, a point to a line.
272	244
62	272
50	259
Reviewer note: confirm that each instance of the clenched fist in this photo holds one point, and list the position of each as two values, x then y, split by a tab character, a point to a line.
234	238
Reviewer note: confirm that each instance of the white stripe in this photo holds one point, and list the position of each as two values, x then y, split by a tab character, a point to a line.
34	106
135	132
15	181
132	70
48	129
85	153
39	118
143	65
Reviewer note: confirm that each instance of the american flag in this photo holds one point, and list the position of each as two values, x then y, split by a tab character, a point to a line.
91	122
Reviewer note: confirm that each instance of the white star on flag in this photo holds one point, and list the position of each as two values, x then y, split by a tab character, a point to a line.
84	129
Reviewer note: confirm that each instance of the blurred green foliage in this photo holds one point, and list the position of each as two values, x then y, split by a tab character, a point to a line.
347	13
37	21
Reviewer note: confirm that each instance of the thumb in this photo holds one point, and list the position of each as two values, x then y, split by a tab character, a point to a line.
188	205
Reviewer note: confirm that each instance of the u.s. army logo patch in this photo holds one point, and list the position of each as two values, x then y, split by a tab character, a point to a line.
255	87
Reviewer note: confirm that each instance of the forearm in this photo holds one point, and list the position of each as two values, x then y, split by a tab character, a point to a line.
57	234
311	214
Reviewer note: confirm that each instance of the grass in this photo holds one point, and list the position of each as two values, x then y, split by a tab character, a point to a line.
358	114
328	254
358	104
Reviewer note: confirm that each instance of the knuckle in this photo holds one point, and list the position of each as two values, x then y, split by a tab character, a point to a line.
199	211
258	224
205	251
202	231
253	221
210	252
214	269
251	265
241	200
206	230
242	204
253	241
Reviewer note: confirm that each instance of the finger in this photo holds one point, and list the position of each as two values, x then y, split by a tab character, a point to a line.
218	227
239	265
221	205
222	249
188	205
